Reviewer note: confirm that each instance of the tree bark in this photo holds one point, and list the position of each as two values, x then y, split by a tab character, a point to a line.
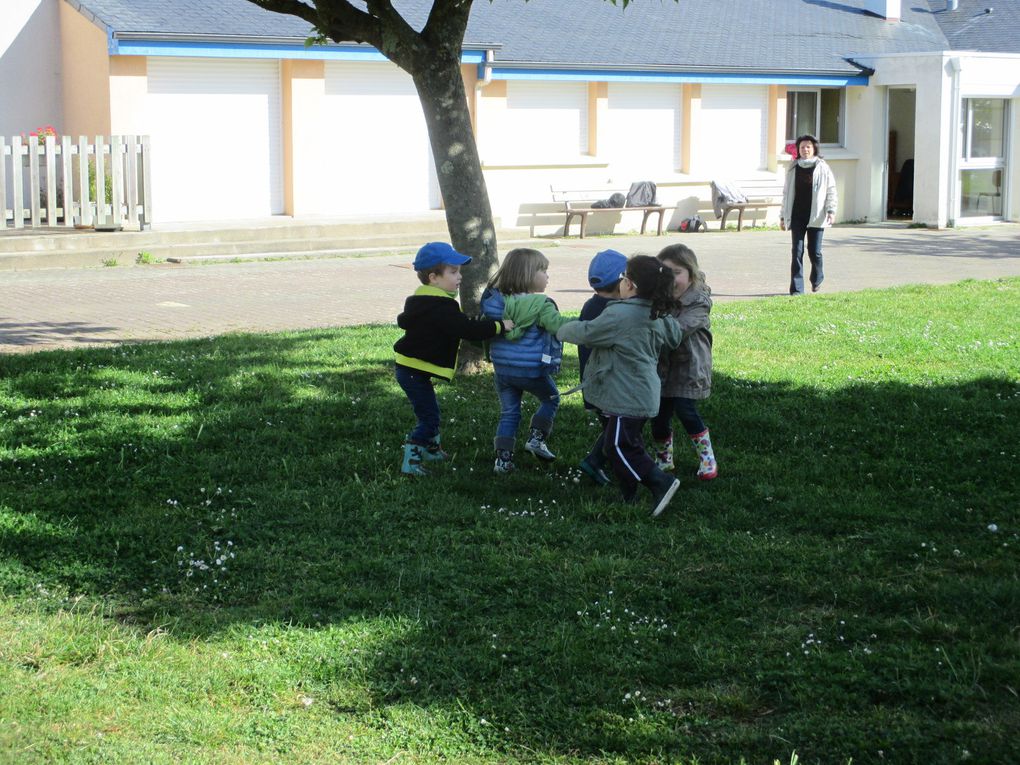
468	214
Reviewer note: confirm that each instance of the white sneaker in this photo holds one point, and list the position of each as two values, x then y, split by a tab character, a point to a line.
537	446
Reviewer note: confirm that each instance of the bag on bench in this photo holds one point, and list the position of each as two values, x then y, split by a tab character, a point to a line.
614	201
641	194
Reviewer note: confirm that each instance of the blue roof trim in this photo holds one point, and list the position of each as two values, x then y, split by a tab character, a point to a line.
202	49
729	78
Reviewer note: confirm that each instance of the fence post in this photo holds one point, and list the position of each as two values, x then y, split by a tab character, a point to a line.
131	184
146	181
18	182
34	185
100	182
67	181
84	206
50	155
117	178
3	183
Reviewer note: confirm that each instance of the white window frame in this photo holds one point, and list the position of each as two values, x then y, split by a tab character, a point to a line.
841	117
967	162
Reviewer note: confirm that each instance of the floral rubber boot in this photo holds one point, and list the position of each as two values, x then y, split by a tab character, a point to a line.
664	453
708	469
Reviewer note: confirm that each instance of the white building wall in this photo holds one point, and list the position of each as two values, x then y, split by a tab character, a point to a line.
729	139
639	133
532	135
936	148
1013	174
375	145
929	75
202	170
30	66
536	122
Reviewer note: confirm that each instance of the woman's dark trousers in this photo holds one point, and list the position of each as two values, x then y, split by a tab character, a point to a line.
814	248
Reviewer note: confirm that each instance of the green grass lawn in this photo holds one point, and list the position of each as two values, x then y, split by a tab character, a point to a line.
208	555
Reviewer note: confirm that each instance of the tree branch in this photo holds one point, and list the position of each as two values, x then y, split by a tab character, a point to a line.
447	23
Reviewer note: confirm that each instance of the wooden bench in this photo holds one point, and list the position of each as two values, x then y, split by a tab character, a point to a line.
577	203
761	194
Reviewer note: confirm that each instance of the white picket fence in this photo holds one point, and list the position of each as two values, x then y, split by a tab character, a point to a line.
103	184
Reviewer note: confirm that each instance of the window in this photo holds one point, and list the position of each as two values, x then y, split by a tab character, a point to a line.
983	156
818	111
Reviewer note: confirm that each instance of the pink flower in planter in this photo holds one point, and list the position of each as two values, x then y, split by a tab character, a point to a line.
44	131
791	149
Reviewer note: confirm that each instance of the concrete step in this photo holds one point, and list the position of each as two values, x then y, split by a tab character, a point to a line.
59	248
62	239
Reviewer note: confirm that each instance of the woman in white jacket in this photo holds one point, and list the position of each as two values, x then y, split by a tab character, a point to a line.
809	207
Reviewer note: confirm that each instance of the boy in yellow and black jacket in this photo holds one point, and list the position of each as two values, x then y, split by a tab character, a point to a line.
433	325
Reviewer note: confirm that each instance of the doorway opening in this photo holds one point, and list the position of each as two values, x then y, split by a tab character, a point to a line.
900	152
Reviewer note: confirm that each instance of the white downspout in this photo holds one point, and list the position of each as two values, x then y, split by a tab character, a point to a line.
953	208
480	84
486	71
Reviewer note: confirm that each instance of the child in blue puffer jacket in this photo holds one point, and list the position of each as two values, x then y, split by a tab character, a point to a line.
525	358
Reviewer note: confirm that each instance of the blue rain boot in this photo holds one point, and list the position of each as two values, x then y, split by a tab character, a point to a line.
413	456
433	451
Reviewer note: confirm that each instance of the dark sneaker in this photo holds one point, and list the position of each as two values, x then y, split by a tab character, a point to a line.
663	488
504	462
537	446
597	474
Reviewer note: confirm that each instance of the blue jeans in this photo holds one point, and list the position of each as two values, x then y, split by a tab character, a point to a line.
686	411
510	390
814	250
422	395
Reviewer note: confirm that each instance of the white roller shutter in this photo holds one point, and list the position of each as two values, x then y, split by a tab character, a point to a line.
540	122
732	135
216	146
642	128
377	156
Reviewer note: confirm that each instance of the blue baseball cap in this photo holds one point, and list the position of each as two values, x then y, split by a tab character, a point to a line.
606	268
438	253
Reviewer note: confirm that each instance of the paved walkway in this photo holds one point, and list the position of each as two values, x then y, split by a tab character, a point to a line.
63	308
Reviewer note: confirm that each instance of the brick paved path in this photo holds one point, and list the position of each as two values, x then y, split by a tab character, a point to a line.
62	308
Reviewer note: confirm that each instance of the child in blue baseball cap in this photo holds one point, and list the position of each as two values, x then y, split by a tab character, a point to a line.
433	325
604	274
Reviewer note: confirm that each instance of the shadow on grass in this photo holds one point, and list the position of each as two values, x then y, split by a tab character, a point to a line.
220	487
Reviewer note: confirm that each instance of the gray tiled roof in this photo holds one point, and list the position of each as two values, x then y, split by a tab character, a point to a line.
769	35
811	36
970	28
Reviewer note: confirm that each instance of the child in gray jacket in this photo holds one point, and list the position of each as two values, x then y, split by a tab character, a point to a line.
621	378
686	372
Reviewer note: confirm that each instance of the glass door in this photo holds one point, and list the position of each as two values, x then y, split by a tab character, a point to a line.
983	132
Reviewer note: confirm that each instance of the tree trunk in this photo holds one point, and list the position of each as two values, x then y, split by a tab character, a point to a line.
468	214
